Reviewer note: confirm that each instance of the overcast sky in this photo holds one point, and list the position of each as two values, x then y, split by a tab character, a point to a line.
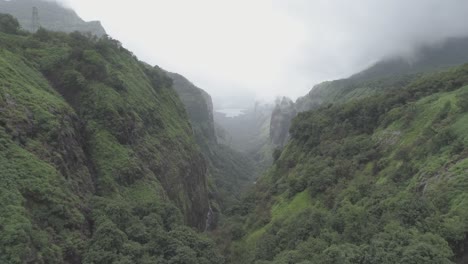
266	48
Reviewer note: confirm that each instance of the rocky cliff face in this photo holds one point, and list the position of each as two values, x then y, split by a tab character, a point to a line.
52	16
97	158
230	172
390	73
199	107
281	118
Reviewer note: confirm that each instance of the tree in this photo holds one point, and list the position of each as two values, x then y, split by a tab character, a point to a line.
9	24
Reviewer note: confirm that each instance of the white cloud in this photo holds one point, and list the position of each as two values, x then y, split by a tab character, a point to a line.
272	47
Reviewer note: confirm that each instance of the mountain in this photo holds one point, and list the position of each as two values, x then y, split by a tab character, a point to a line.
199	107
449	53
390	73
230	172
366	179
52	16
281	118
98	163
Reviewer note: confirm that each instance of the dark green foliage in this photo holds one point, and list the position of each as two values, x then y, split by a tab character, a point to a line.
97	159
379	179
43	35
9	24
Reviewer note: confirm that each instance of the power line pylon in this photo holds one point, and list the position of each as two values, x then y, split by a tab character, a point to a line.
35	19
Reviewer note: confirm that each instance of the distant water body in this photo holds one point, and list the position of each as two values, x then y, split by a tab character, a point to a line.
231	112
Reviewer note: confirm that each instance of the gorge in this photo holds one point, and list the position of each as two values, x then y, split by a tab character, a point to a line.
107	159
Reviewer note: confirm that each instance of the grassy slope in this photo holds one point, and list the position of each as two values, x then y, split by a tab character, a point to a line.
379	180
97	159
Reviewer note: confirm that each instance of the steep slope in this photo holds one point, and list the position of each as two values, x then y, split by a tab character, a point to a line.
199	107
230	172
97	160
380	179
52	16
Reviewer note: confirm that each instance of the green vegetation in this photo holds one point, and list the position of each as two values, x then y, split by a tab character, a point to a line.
376	179
97	159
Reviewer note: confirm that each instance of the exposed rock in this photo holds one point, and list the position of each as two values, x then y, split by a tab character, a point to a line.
281	119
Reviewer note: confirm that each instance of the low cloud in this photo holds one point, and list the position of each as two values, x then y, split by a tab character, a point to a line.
271	47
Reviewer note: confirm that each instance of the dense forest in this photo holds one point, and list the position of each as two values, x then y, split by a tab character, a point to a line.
98	162
106	159
372	179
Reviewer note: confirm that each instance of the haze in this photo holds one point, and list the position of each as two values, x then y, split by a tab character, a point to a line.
261	49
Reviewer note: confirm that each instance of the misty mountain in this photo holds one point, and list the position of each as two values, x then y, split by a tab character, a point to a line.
391	73
375	171
52	16
108	159
248	133
281	118
451	52
230	172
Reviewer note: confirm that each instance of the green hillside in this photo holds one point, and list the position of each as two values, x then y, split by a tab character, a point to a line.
390	73
105	159
379	179
98	163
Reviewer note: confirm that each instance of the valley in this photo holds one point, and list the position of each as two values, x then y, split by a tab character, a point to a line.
107	159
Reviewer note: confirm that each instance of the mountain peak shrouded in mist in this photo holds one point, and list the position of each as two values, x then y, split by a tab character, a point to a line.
277	48
51	15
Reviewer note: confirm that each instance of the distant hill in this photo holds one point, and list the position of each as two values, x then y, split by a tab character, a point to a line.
52	16
452	52
388	73
366	179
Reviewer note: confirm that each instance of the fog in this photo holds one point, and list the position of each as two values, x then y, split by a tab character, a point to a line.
261	49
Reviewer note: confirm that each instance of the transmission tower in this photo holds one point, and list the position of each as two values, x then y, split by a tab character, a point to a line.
35	20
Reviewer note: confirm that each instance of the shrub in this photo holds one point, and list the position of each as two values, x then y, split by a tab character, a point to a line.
9	24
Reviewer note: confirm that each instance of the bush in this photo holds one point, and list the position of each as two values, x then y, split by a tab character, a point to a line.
9	24
276	154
